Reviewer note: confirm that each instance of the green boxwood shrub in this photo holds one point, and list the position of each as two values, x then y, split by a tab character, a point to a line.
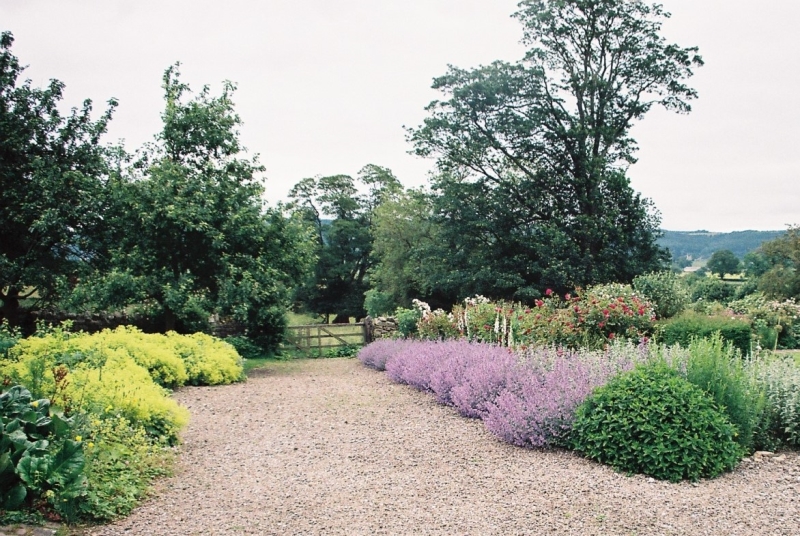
691	325
652	421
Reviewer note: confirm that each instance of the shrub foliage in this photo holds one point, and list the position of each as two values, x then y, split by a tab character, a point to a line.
90	421
719	370
690	325
652	421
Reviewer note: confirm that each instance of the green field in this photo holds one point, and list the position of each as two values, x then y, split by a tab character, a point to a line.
306	319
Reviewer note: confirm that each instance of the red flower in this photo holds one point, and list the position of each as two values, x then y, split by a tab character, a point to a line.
539	303
567	296
548	292
527	311
605	313
610	335
601	325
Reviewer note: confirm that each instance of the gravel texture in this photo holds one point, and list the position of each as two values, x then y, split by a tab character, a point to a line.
332	447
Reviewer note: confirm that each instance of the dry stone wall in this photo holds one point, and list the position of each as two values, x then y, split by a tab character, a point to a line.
381	327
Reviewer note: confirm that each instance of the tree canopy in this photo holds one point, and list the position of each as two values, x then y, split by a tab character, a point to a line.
53	169
532	190
723	262
343	219
781	257
204	243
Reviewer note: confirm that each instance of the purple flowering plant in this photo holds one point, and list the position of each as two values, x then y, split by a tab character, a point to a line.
526	398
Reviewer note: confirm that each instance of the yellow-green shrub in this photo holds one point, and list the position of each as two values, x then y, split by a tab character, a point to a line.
153	352
121	372
120	463
148	350
79	377
208	360
125	388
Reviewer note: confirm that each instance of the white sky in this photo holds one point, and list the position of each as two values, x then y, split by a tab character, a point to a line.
325	86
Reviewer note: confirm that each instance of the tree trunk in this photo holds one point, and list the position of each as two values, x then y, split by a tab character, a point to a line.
10	308
341	319
169	320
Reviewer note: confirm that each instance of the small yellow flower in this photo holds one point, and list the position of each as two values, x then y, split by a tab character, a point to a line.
35	404
90	444
78	438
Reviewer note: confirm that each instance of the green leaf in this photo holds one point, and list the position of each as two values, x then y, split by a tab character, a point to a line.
67	465
33	470
61	425
14	498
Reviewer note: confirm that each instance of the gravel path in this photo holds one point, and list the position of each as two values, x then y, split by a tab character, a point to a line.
331	447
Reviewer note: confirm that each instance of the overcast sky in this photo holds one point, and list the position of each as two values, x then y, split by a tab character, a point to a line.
325	86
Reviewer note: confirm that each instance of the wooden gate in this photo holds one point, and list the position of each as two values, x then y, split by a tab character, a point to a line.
321	337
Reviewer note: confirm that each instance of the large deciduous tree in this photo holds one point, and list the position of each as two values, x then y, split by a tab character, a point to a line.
723	261
532	190
52	175
781	279
190	235
343	219
408	248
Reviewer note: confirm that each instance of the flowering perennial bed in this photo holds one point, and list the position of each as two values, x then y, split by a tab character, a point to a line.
530	397
527	398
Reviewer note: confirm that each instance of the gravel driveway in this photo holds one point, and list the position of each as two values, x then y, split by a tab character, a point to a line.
331	447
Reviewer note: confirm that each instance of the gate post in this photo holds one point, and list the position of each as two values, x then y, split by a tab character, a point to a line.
367	329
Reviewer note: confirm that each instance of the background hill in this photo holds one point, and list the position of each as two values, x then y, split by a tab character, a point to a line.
701	244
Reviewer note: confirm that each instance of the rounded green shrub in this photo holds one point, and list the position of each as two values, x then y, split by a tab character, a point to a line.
652	421
665	290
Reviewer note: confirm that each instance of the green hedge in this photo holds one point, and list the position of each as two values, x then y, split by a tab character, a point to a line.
690	325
